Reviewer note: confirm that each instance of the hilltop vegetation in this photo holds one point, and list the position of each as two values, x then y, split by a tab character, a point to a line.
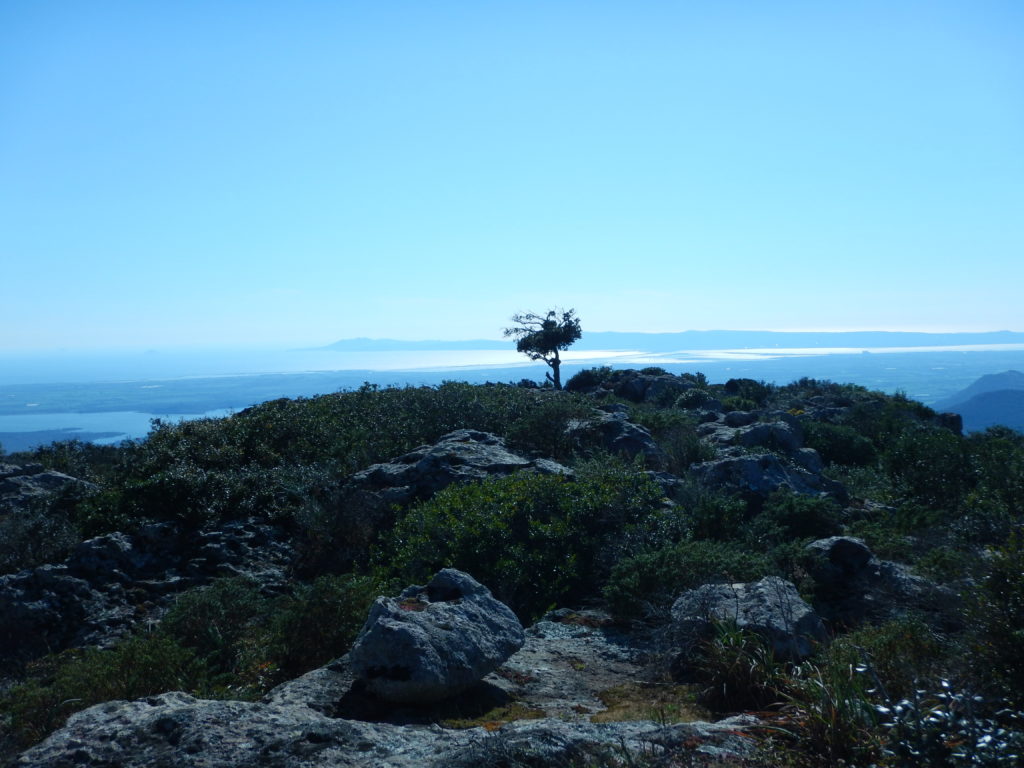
611	532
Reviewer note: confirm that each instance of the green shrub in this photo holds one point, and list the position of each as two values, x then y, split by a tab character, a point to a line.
717	517
786	516
38	533
534	540
839	444
930	464
143	665
588	378
318	622
693	398
998	620
676	434
543	429
737	670
902	654
212	621
738	404
838	720
757	392
652	580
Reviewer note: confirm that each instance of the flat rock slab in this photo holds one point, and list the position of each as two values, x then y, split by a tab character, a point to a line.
175	729
565	665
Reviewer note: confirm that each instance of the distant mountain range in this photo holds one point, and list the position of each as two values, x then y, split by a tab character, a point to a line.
996	398
704	340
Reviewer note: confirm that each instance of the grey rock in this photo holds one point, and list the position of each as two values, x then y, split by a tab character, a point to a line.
668	482
739	418
47	609
23	485
771	607
763	474
434	641
658	388
808	459
852	585
365	503
98	594
175	729
615	434
777	434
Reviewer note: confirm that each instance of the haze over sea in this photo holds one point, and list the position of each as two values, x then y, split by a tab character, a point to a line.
112	396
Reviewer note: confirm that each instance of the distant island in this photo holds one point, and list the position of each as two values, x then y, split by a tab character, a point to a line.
705	340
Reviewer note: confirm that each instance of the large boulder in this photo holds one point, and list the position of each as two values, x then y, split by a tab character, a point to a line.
433	642
852	585
761	474
770	607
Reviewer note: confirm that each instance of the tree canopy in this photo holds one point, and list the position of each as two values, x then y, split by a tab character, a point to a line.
541	337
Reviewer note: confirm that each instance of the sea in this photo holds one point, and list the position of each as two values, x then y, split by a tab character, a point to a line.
109	397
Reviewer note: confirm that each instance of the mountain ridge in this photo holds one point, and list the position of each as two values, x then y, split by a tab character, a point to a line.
704	340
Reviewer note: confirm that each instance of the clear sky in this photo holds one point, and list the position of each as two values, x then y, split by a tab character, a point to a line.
299	172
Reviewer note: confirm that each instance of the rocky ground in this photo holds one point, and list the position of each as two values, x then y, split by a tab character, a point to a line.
543	706
579	685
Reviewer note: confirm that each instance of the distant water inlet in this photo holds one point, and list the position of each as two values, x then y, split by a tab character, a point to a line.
22	431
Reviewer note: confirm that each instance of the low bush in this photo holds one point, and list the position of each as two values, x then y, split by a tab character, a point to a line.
693	398
738	404
787	516
649	582
318	622
756	392
839	444
588	378
998	621
534	540
143	665
737	670
676	435
39	533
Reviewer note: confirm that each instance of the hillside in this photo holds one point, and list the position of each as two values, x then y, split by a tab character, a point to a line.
992	382
994	399
683	556
989	409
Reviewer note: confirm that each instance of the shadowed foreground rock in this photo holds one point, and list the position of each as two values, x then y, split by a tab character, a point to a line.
435	641
175	729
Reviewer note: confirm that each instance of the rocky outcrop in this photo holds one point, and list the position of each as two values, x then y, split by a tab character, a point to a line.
761	474
21	486
175	729
435	641
770	607
365	504
611	430
110	582
324	719
852	585
643	386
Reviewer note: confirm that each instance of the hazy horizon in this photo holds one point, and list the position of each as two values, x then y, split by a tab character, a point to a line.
183	174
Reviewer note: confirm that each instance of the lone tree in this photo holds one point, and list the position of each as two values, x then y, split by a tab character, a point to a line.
540	337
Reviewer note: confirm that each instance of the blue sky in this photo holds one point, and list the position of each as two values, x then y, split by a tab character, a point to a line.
177	173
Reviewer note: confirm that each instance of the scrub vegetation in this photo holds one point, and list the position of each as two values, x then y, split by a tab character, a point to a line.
900	691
